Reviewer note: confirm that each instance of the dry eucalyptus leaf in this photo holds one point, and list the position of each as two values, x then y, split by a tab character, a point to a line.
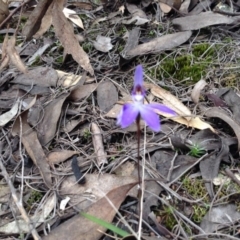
82	91
72	15
4	12
222	114
103	44
32	146
159	44
8	116
40	76
34	21
65	32
219	216
101	209
14	56
167	5
45	23
201	20
98	144
107	95
5	58
48	126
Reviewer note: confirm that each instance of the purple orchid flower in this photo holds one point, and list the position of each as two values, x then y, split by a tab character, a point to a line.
131	111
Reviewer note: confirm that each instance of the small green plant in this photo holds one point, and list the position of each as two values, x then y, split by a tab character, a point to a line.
35	197
196	151
106	225
86	134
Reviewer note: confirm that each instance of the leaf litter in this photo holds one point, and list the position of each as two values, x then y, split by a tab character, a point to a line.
59	137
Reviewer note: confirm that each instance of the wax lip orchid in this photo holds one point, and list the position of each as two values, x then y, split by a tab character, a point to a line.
132	111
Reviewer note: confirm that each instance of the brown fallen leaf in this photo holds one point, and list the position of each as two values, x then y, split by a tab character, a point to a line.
14	55
65	32
34	21
201	20
47	127
32	146
101	209
107	95
222	114
40	76
60	156
82	91
9	53
5	57
157	45
45	23
4	12
98	144
167	5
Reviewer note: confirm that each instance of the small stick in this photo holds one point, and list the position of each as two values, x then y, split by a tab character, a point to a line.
18	202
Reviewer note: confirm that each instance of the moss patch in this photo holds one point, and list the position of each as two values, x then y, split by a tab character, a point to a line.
190	67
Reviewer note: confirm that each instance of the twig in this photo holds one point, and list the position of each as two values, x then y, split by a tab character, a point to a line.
18	202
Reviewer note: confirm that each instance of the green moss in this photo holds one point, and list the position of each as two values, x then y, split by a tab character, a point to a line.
196	189
87	47
35	197
190	67
168	217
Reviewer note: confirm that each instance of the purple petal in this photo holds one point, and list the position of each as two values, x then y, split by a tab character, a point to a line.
150	117
138	76
128	115
162	108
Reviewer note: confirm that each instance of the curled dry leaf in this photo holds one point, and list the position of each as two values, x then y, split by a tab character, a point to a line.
8	116
101	209
72	15
65	32
14	56
103	44
195	94
157	45
98	144
60	156
201	20
172	102
222	114
67	79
